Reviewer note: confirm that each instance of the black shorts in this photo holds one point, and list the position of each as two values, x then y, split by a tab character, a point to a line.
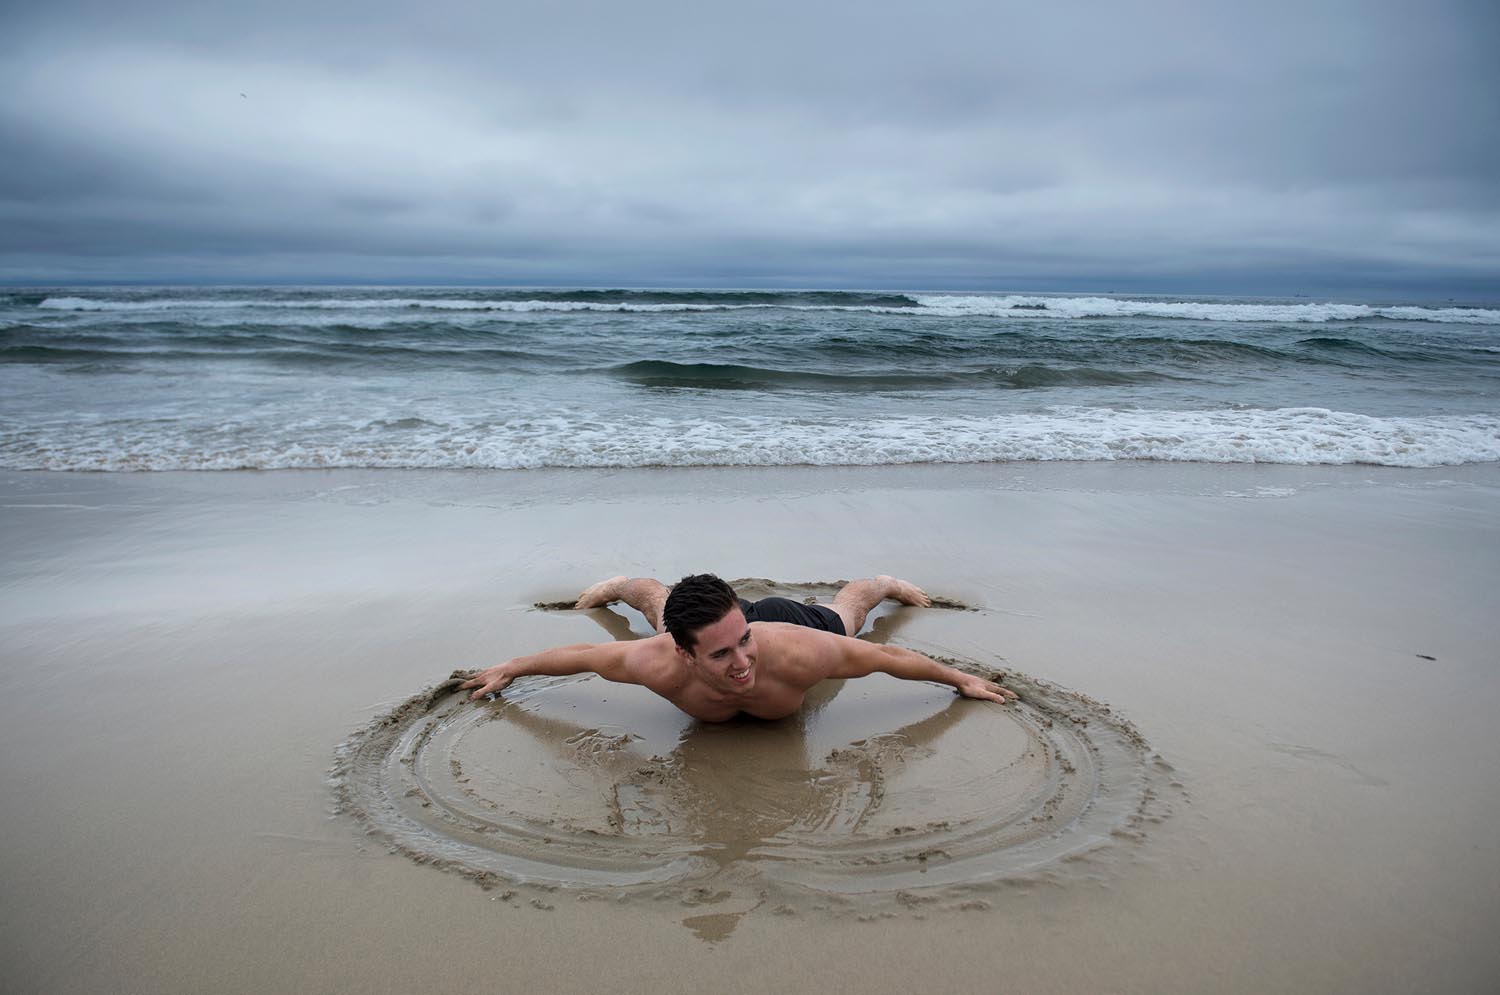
787	610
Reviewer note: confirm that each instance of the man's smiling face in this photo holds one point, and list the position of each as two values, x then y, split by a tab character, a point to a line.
724	653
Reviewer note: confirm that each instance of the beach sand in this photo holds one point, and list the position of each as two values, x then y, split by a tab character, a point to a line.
1305	657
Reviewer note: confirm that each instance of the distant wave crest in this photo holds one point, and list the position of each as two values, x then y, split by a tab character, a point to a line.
946	305
1109	307
726	376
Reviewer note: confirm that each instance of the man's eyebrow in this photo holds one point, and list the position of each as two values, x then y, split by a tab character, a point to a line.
726	649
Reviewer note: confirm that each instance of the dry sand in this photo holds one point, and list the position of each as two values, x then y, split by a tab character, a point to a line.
1260	756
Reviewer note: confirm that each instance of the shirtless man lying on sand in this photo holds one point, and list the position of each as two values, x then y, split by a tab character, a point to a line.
716	655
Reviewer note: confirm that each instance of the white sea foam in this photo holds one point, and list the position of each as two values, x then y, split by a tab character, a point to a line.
1109	307
1285	435
947	305
419	304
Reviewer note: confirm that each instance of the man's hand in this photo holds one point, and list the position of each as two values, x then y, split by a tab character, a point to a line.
977	687
490	681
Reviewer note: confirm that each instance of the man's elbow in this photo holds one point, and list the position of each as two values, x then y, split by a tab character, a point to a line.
866	660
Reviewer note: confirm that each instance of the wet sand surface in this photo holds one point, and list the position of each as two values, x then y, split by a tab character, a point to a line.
1283	778
896	791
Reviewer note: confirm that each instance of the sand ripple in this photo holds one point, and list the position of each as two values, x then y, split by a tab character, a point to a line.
879	787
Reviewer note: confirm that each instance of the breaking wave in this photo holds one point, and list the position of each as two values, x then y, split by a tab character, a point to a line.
1283	435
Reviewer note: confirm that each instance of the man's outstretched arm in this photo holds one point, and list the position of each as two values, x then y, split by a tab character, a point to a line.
609	660
858	658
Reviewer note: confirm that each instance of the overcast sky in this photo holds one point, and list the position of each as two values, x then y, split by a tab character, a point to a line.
1210	147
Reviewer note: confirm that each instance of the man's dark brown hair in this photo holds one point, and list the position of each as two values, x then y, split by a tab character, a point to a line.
696	601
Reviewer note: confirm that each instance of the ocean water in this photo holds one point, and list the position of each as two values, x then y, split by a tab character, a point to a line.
218	379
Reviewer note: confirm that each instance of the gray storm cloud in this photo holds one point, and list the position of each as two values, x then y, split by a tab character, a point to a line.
1193	146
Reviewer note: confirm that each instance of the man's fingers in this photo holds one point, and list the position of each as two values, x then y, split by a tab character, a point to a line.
483	678
493	685
990	691
1004	695
999	688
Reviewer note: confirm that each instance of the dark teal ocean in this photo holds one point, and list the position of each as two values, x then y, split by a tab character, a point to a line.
215	379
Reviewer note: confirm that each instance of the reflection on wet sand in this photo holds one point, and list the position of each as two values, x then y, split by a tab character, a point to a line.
739	787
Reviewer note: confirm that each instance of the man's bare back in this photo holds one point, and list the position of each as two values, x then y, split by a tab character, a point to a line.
731	665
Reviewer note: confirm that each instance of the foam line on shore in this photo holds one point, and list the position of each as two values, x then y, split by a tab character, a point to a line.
1297	436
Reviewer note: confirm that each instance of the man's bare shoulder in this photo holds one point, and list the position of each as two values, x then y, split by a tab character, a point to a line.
793	637
654	663
797	653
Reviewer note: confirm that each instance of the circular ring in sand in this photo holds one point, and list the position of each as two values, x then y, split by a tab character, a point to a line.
876	786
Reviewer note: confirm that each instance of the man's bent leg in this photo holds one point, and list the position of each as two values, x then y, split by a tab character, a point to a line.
645	594
856	598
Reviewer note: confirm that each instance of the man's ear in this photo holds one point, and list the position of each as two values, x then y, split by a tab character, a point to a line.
686	656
